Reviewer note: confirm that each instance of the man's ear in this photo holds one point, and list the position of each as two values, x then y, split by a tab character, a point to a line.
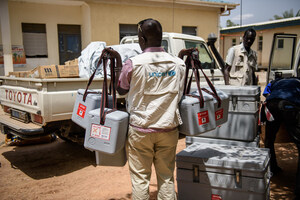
144	40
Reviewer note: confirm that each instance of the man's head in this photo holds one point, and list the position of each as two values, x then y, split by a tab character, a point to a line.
150	33
249	37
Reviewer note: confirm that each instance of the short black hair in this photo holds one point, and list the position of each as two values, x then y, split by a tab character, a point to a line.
151	31
250	30
143	21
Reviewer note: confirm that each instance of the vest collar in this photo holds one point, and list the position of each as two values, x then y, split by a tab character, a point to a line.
154	49
243	50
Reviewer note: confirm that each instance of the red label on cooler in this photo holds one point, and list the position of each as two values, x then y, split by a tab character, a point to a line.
203	117
81	110
219	114
216	197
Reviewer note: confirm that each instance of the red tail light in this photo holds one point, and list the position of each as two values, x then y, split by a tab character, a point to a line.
6	109
37	118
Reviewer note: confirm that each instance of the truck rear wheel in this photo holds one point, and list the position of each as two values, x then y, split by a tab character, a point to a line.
71	132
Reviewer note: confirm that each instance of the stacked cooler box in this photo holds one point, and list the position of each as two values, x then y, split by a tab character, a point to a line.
190	140
215	172
242	123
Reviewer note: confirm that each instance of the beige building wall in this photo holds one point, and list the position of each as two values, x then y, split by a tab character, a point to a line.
51	15
267	34
106	18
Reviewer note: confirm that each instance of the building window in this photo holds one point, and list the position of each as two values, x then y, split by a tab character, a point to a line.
260	43
233	42
280	44
35	40
190	30
127	30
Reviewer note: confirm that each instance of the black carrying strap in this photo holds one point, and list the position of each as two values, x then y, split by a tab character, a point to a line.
104	97
86	92
193	62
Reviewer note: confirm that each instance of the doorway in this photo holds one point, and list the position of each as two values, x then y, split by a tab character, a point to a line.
69	40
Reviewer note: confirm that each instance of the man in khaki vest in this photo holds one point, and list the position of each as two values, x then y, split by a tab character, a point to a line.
241	62
154	82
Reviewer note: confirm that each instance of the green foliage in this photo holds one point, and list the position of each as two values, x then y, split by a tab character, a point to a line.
229	23
287	14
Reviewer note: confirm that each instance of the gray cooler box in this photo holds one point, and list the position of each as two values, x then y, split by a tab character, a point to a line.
196	120
192	139
82	108
213	171
117	160
110	137
242	123
221	113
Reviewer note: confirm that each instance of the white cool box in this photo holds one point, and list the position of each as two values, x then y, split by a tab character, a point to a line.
197	120
82	108
107	142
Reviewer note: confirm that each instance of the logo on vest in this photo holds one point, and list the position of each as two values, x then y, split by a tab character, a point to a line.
162	74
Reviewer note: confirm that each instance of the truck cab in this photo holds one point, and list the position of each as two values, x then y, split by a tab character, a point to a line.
174	42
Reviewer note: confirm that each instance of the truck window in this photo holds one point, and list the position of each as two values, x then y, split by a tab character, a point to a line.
205	58
283	53
164	44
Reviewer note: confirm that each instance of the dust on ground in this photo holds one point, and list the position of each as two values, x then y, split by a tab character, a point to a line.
63	170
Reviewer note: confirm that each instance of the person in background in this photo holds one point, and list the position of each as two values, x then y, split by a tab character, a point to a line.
154	82
283	106
241	62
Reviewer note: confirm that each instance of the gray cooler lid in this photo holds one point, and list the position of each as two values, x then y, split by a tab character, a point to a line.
223	156
206	97
95	96
119	115
239	90
81	91
221	94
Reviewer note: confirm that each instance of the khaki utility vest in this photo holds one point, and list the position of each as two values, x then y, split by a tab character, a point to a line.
156	88
242	66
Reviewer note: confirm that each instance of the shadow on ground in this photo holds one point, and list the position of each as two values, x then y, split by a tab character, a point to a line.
48	160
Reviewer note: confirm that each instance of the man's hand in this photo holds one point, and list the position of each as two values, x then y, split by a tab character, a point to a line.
226	73
112	53
185	52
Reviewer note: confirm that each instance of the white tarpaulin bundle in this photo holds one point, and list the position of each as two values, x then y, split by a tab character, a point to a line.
90	56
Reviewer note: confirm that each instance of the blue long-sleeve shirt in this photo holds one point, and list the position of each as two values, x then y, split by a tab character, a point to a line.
287	89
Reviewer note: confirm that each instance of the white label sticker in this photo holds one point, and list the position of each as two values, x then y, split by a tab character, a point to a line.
101	132
179	117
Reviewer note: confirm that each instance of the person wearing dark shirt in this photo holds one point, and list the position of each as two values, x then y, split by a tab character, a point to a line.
283	102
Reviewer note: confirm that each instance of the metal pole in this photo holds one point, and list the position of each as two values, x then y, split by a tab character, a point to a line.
241	15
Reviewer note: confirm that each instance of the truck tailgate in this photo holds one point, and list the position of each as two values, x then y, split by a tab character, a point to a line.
18	126
20	98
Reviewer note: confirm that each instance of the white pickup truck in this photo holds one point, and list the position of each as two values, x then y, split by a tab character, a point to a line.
35	107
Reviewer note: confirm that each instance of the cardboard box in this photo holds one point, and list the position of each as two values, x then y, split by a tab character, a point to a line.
72	62
68	71
48	71
55	71
24	74
21	74
13	74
